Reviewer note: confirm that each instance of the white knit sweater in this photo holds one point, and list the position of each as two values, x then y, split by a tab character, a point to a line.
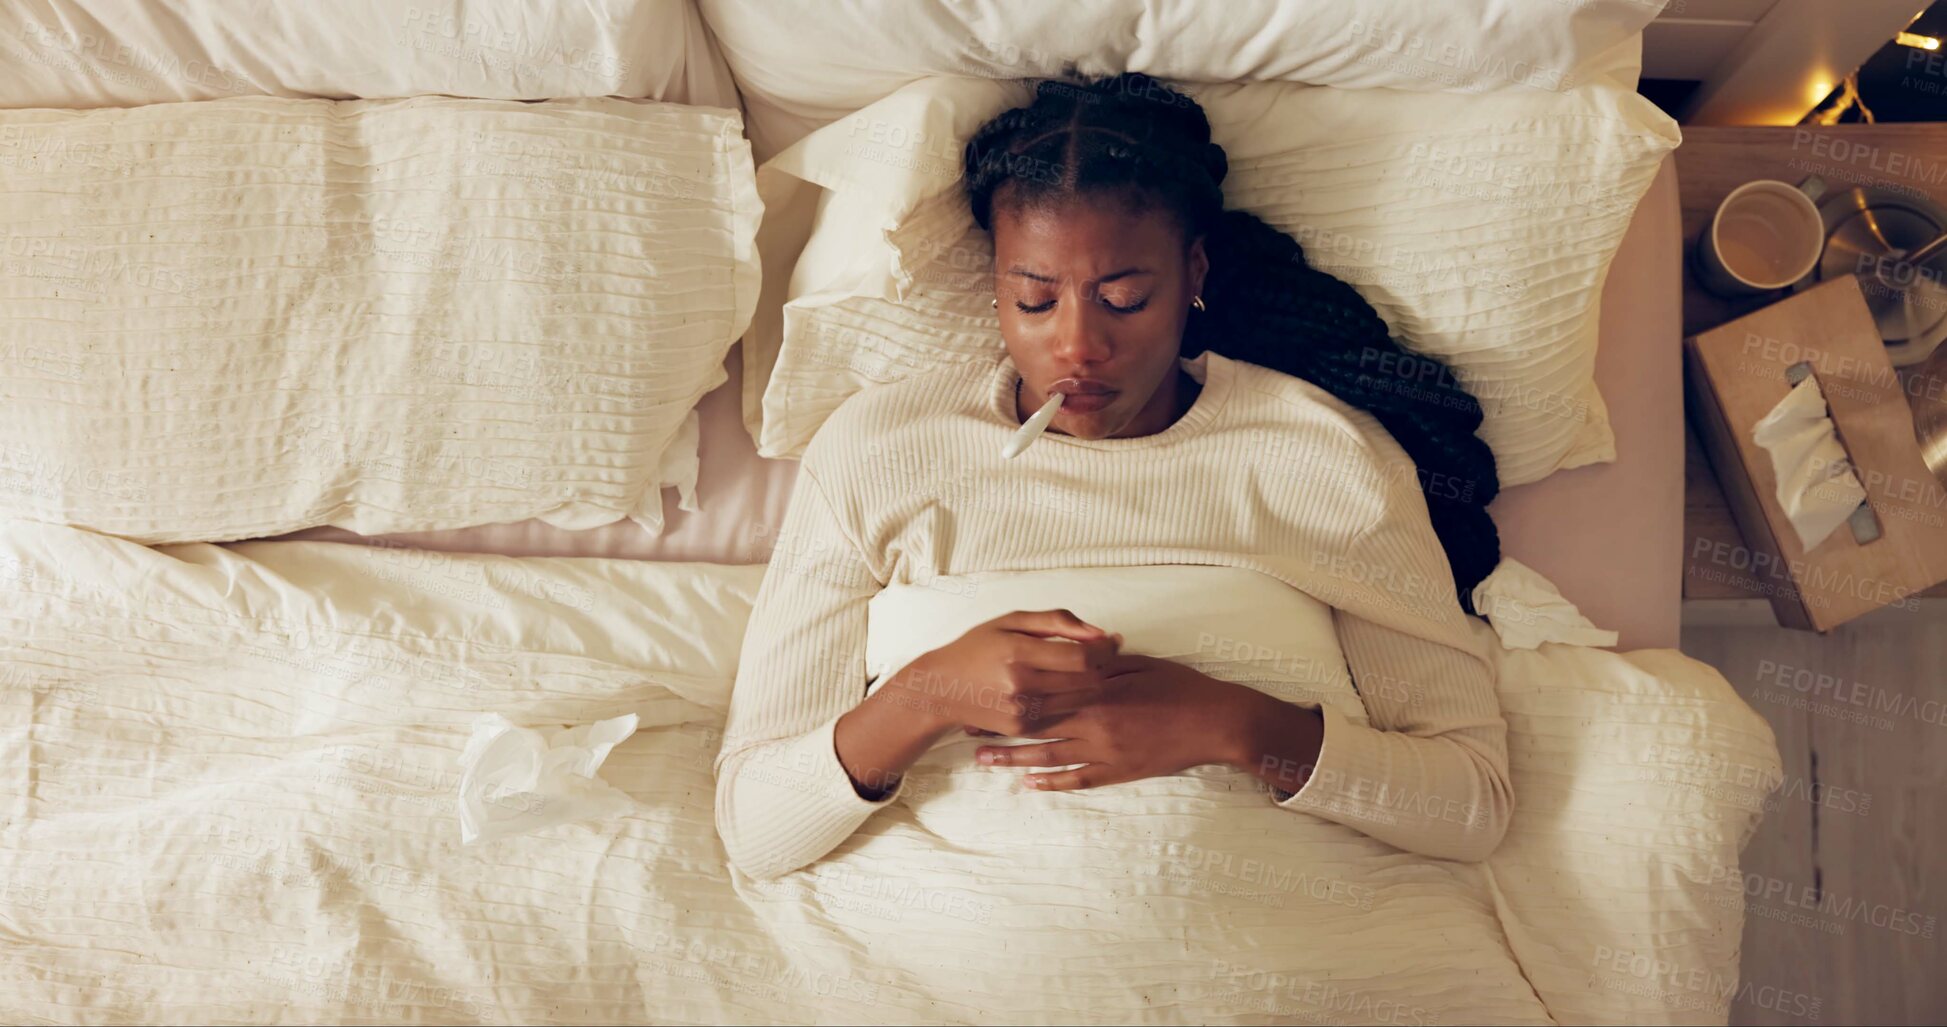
1265	471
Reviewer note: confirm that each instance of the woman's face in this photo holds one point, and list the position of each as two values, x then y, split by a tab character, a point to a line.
1093	294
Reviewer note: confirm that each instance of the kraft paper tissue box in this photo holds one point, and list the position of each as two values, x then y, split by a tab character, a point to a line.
1738	374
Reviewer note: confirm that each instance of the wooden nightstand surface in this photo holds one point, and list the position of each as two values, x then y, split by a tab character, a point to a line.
1712	161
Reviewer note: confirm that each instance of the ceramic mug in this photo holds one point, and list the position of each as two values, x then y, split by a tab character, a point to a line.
1766	235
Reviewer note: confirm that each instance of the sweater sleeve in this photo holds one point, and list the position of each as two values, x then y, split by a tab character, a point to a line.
1428	773
783	799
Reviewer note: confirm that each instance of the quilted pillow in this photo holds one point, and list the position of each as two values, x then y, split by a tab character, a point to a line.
243	317
800	66
110	53
1480	227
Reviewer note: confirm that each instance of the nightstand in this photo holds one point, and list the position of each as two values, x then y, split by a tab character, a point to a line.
1711	162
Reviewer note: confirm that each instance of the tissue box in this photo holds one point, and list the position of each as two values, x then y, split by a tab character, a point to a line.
1737	374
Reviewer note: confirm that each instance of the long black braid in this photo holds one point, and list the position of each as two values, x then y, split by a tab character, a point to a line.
1266	305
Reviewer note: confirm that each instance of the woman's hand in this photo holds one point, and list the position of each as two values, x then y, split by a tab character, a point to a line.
1012	675
1156	717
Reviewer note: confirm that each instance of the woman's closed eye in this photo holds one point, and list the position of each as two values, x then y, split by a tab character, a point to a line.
1042	308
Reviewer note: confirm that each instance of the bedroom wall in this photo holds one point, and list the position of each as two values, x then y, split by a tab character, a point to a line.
1761	62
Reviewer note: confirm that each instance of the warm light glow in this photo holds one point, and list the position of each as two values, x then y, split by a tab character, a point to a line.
1911	39
1821	88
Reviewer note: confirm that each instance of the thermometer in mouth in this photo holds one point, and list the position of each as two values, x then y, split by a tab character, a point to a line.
1033	428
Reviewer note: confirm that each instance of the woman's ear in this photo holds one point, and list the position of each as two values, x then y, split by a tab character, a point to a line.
1199	266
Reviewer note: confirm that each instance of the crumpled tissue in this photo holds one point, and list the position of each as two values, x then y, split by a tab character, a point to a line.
514	780
1816	486
1526	610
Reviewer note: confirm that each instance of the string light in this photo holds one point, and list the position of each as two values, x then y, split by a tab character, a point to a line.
1847	100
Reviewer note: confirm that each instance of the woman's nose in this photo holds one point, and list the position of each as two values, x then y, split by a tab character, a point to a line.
1081	333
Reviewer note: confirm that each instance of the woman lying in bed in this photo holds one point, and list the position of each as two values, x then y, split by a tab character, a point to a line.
1195	348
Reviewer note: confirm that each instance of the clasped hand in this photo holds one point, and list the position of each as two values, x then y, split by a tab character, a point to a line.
1153	717
1111	716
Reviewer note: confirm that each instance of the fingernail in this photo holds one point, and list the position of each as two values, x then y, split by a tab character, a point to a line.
1034	781
985	756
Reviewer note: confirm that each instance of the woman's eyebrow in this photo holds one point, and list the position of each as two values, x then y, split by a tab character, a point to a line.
1020	272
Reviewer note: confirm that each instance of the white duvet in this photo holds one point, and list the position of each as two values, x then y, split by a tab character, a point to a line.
228	777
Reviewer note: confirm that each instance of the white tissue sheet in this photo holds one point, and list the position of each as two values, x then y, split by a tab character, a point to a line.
1526	610
1815	483
516	779
229	774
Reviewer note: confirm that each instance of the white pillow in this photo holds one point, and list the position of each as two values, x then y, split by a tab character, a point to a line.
113	53
1479	226
800	66
243	317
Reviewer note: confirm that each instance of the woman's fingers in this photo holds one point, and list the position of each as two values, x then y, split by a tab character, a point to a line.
1042	754
1093	775
1052	695
1070	657
1056	623
1049	683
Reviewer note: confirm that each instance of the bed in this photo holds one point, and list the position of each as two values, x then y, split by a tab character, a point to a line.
229	769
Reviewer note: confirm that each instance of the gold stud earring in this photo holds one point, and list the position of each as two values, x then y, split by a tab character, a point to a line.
1197	302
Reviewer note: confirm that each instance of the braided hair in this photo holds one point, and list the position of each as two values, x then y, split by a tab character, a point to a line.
1133	135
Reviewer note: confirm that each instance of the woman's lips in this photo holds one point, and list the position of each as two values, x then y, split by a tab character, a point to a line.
1085	402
